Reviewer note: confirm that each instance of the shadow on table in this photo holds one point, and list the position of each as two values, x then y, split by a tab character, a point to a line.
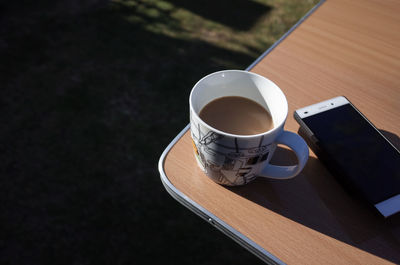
320	203
393	138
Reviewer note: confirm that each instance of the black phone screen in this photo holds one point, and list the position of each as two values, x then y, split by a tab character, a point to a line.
361	155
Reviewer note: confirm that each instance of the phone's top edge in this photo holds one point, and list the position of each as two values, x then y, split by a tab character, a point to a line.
322	106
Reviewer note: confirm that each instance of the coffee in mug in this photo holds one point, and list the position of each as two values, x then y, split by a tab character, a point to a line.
237	115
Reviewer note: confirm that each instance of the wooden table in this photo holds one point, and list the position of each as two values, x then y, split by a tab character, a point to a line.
344	47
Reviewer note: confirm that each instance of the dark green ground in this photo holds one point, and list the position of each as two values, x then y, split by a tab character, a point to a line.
90	97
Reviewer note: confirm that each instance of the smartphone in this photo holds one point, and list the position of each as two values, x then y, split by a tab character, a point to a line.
355	151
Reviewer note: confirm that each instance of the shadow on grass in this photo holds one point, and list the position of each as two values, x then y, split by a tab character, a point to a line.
237	14
88	103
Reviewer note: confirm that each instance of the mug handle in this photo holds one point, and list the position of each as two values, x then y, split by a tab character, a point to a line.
300	148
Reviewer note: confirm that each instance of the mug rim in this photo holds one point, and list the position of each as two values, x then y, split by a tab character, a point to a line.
273	130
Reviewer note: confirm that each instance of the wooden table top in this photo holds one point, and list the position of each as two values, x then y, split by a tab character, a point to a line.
349	48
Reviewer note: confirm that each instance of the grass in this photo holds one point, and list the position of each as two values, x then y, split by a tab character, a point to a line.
90	97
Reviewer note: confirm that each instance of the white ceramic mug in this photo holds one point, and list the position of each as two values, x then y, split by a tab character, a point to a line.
231	159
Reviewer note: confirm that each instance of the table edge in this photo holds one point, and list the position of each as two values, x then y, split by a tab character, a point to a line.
284	36
241	239
208	216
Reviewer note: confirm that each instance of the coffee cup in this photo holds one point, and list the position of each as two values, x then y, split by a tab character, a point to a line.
233	159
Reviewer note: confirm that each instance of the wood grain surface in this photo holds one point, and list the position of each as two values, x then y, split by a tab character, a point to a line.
349	48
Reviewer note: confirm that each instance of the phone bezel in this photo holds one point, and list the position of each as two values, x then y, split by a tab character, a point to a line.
322	106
